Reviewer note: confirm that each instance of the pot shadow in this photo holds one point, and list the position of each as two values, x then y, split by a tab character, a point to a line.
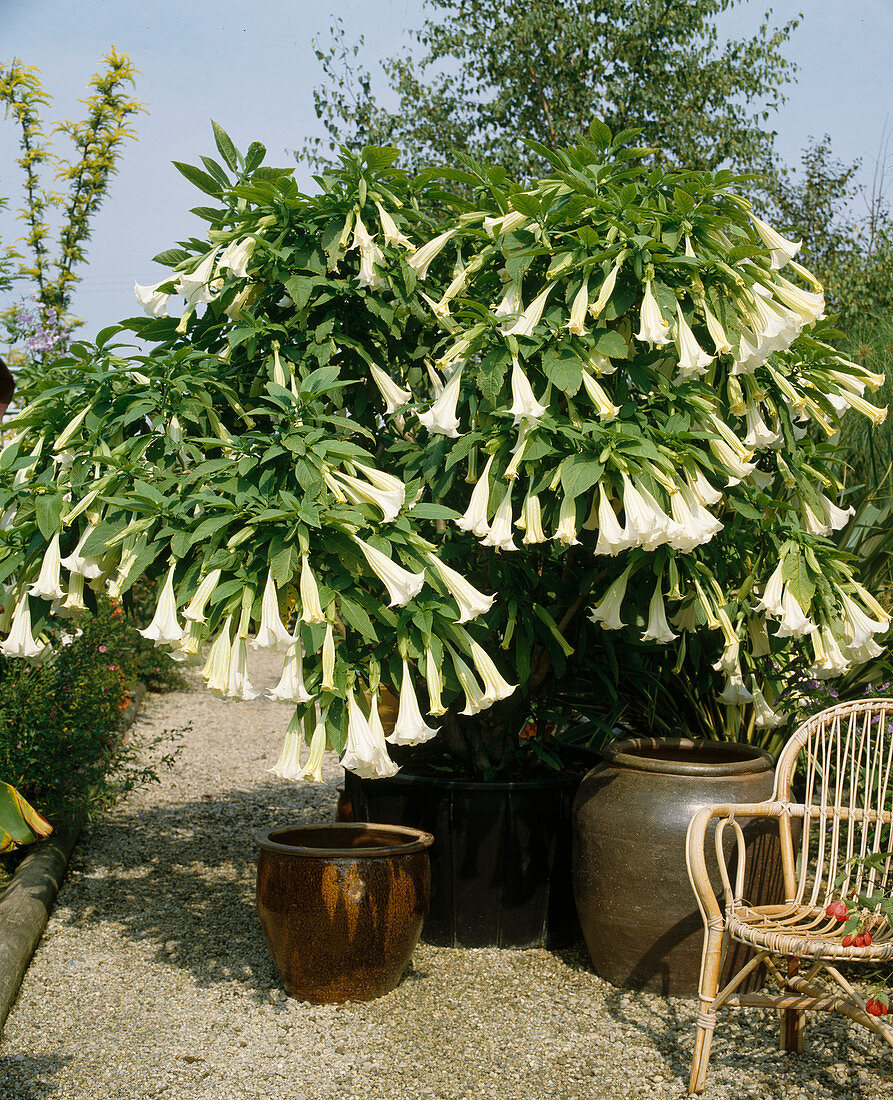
28	1077
182	877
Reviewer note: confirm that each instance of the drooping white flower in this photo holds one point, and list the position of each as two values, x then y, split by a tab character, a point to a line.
471	601
693	360
647	525
530	318
371	257
164	627
410	727
327	683
475	701
195	609
875	414
658	629
505	223
402	584
771	601
74	598
189	650
695	525
811	521
794	623
764	716
392	234
475	518
576	325
234	258
311	610
434	682
195	286
441	418
495	687
510	305
393	395
607	289
271	634
717	332
608	611
611	536
531	520
422	258
829	658
703	491
152	298
782	250
288	766
312	770
735	692
365	752
759	434
238	685
604	406
290	688
737	466
566	532
216	670
859	626
500	533
524	430
48	585
653	329
808	305
525	406
20	642
388	501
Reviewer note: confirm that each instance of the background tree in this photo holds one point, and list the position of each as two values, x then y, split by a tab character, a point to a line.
493	69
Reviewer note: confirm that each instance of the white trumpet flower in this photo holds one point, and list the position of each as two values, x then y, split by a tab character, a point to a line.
388	501
195	285
327	683
658	629
611	537
525	406
441	418
48	585
505	223
829	658
475	518
216	670
530	318
717	332
653	329
566	532
531	521
393	395
288	766
290	688
195	609
794	623
510	305
759	434
392	234
475	700
422	258
771	601
371	257
495	687
365	752
434	683
500	533
238	685
271	634
74	598
410	727
693	360
608	611
703	491
735	693
152	298
859	626
737	466
311	610
782	250
164	627
312	770
604	295
402	584
471	601
576	325
20	642
234	258
604	406
764	716
647	525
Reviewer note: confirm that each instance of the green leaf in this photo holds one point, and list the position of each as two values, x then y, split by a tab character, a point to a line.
611	344
356	618
20	823
684	201
225	146
282	564
579	473
564	369
171	258
798	578
434	511
491	373
300	288
48	509
256	153
600	133
198	178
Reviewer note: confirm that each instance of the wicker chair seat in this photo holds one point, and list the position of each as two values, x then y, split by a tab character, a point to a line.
805	932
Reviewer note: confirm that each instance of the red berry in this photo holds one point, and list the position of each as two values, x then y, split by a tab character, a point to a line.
858	941
872	1007
847	941
866	939
842	911
831	909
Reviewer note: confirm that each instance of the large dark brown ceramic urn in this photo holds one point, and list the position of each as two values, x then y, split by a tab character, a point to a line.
342	906
631	814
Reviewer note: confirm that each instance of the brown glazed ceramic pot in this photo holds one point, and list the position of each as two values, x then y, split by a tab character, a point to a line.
342	906
635	903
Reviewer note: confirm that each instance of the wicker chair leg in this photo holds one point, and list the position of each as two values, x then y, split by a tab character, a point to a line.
793	1020
706	1020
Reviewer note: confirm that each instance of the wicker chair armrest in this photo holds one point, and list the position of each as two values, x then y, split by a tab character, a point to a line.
696	856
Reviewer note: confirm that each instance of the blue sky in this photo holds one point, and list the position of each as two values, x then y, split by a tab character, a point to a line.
250	65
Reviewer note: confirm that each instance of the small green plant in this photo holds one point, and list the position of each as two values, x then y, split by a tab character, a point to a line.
20	823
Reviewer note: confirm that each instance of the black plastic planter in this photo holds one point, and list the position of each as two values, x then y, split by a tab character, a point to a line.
501	858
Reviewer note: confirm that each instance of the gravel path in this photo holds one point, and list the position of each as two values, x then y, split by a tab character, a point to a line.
153	978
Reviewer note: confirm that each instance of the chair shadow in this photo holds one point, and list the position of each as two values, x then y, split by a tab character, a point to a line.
26	1077
157	875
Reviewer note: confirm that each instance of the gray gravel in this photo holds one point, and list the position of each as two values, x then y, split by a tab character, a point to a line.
153	978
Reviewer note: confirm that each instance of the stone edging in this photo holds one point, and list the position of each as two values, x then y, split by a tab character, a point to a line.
27	902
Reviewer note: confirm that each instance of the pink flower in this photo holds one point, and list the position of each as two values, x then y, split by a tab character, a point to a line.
102	649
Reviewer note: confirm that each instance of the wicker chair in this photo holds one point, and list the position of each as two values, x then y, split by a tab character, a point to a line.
841	763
